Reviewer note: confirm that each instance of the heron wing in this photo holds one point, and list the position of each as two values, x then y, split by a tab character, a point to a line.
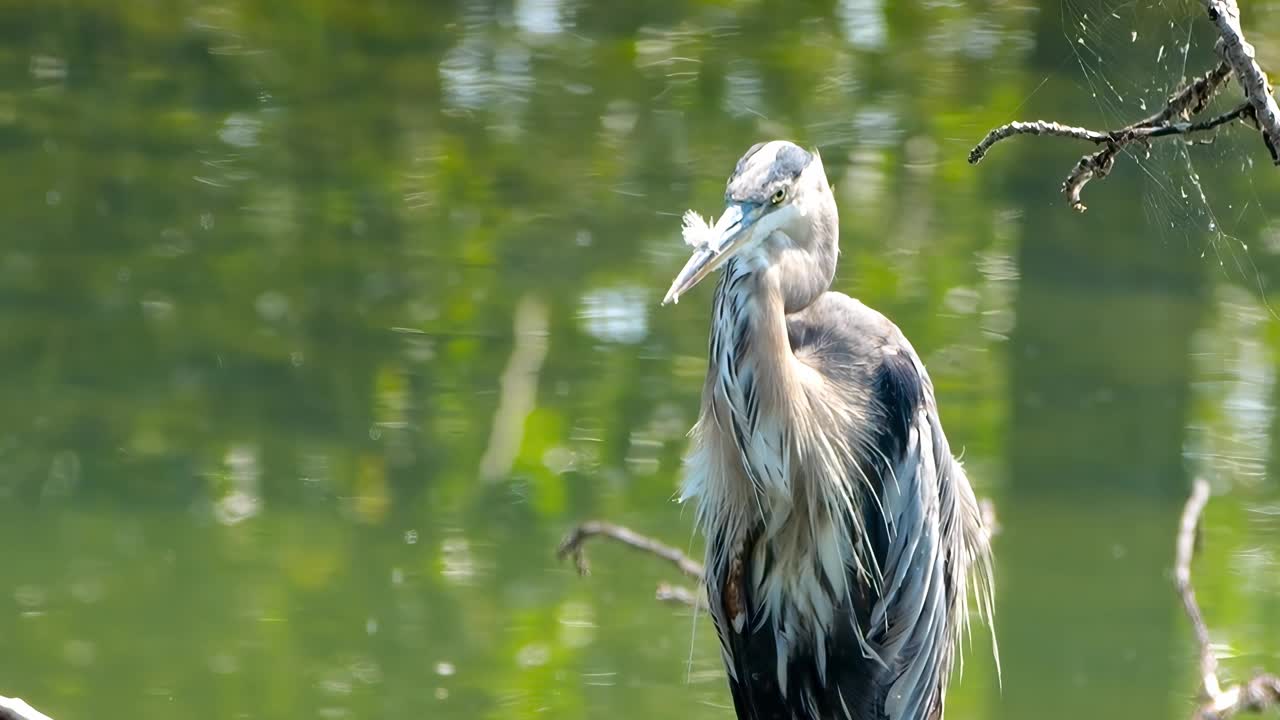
911	623
915	535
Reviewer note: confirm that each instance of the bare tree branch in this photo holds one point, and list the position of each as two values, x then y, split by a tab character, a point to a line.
572	546
1186	546
1190	100
680	595
1096	165
1173	119
1259	109
1237	51
1182	105
1261	692
1035	127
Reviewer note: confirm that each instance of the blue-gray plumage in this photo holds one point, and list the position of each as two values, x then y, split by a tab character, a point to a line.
843	537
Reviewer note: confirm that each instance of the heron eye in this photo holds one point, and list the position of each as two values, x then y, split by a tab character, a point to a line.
778	196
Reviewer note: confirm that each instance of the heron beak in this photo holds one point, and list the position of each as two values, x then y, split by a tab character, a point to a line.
730	233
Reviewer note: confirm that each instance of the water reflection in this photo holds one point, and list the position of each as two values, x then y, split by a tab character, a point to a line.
323	323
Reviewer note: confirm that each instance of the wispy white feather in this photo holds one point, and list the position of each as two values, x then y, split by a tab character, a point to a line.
695	229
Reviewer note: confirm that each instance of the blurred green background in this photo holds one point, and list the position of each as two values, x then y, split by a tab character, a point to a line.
322	321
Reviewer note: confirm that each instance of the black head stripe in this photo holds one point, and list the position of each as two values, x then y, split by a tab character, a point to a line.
791	161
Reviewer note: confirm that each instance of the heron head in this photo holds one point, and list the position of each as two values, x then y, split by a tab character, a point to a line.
778	207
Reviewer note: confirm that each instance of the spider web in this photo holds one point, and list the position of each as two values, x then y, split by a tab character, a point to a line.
1179	204
1199	196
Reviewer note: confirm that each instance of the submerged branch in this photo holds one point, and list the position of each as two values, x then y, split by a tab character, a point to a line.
1263	690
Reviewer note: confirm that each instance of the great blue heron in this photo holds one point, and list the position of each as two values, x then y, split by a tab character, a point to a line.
842	535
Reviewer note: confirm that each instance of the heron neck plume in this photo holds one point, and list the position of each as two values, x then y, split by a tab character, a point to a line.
753	370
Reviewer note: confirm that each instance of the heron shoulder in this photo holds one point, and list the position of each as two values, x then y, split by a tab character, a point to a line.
865	354
843	334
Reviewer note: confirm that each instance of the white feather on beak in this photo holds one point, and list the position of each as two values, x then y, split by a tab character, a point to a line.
696	230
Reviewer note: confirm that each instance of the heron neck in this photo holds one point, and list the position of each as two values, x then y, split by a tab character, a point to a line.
752	369
750	320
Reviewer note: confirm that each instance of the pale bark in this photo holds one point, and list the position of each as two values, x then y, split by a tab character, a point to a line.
1238	52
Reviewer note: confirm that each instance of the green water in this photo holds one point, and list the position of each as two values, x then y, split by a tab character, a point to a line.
321	322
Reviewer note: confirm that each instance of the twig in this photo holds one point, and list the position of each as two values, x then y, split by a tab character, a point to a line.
1243	110
1035	127
1097	165
1182	105
1186	548
680	595
18	709
572	546
1261	692
1192	99
1173	119
1237	51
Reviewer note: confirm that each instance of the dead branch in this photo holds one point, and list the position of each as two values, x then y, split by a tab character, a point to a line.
680	595
1172	120
1097	165
1181	106
1263	690
572	546
1035	127
1259	109
1237	51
